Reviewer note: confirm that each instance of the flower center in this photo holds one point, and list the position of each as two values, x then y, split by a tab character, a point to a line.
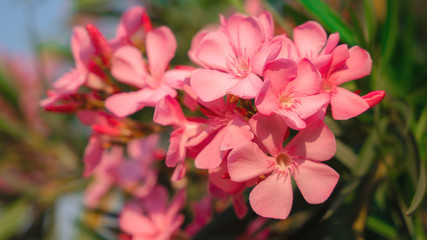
287	100
238	66
283	161
327	86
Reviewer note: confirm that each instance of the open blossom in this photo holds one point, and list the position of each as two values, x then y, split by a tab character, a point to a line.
154	83
91	53
152	217
134	174
292	91
337	65
301	158
234	57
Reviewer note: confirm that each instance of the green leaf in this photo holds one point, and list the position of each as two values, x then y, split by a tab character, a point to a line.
370	21
12	218
389	34
346	155
330	19
419	192
381	228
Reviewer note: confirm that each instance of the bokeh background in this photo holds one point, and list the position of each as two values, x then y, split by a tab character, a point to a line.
381	156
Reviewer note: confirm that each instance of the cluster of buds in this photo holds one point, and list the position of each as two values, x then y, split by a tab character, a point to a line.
250	90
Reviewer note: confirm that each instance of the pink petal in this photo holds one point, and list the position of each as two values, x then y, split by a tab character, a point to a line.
81	47
247	87
248	161
70	82
373	98
231	28
273	197
214	51
127	66
195	45
211	155
168	112
92	155
267	99
288	49
239	205
315	181
250	37
96	190
131	21
280	72
291	118
316	142
267	22
266	54
179	172
177	203
124	104
309	105
134	223
156	202
271	130
210	85
346	104
358	65
332	43
225	184
175	78
161	47
176	151
309	38
236	132
308	80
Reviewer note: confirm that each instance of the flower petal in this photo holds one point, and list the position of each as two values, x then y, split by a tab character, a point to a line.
315	142
309	38
248	161
236	132
315	181
161	47
273	197
247	87
271	130
210	85
214	50
358	65
134	223
127	66
168	112
346	104
250	37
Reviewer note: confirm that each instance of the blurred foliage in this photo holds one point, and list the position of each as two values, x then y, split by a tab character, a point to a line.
381	156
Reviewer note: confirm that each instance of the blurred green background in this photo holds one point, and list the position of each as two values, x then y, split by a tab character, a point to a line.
381	156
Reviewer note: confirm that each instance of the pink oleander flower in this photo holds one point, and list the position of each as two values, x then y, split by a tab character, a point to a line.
151	217
337	64
156	82
134	174
291	91
234	57
91	53
168	112
132	29
301	158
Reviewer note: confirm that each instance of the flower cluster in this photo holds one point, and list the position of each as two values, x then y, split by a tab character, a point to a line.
250	91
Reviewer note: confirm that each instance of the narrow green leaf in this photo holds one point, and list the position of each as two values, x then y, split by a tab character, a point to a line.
370	21
12	218
389	33
346	155
419	192
330	19
381	227
421	125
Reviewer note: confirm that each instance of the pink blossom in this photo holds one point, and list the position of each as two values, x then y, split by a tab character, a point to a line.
128	66
133	27
152	217
301	158
234	57
292	91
